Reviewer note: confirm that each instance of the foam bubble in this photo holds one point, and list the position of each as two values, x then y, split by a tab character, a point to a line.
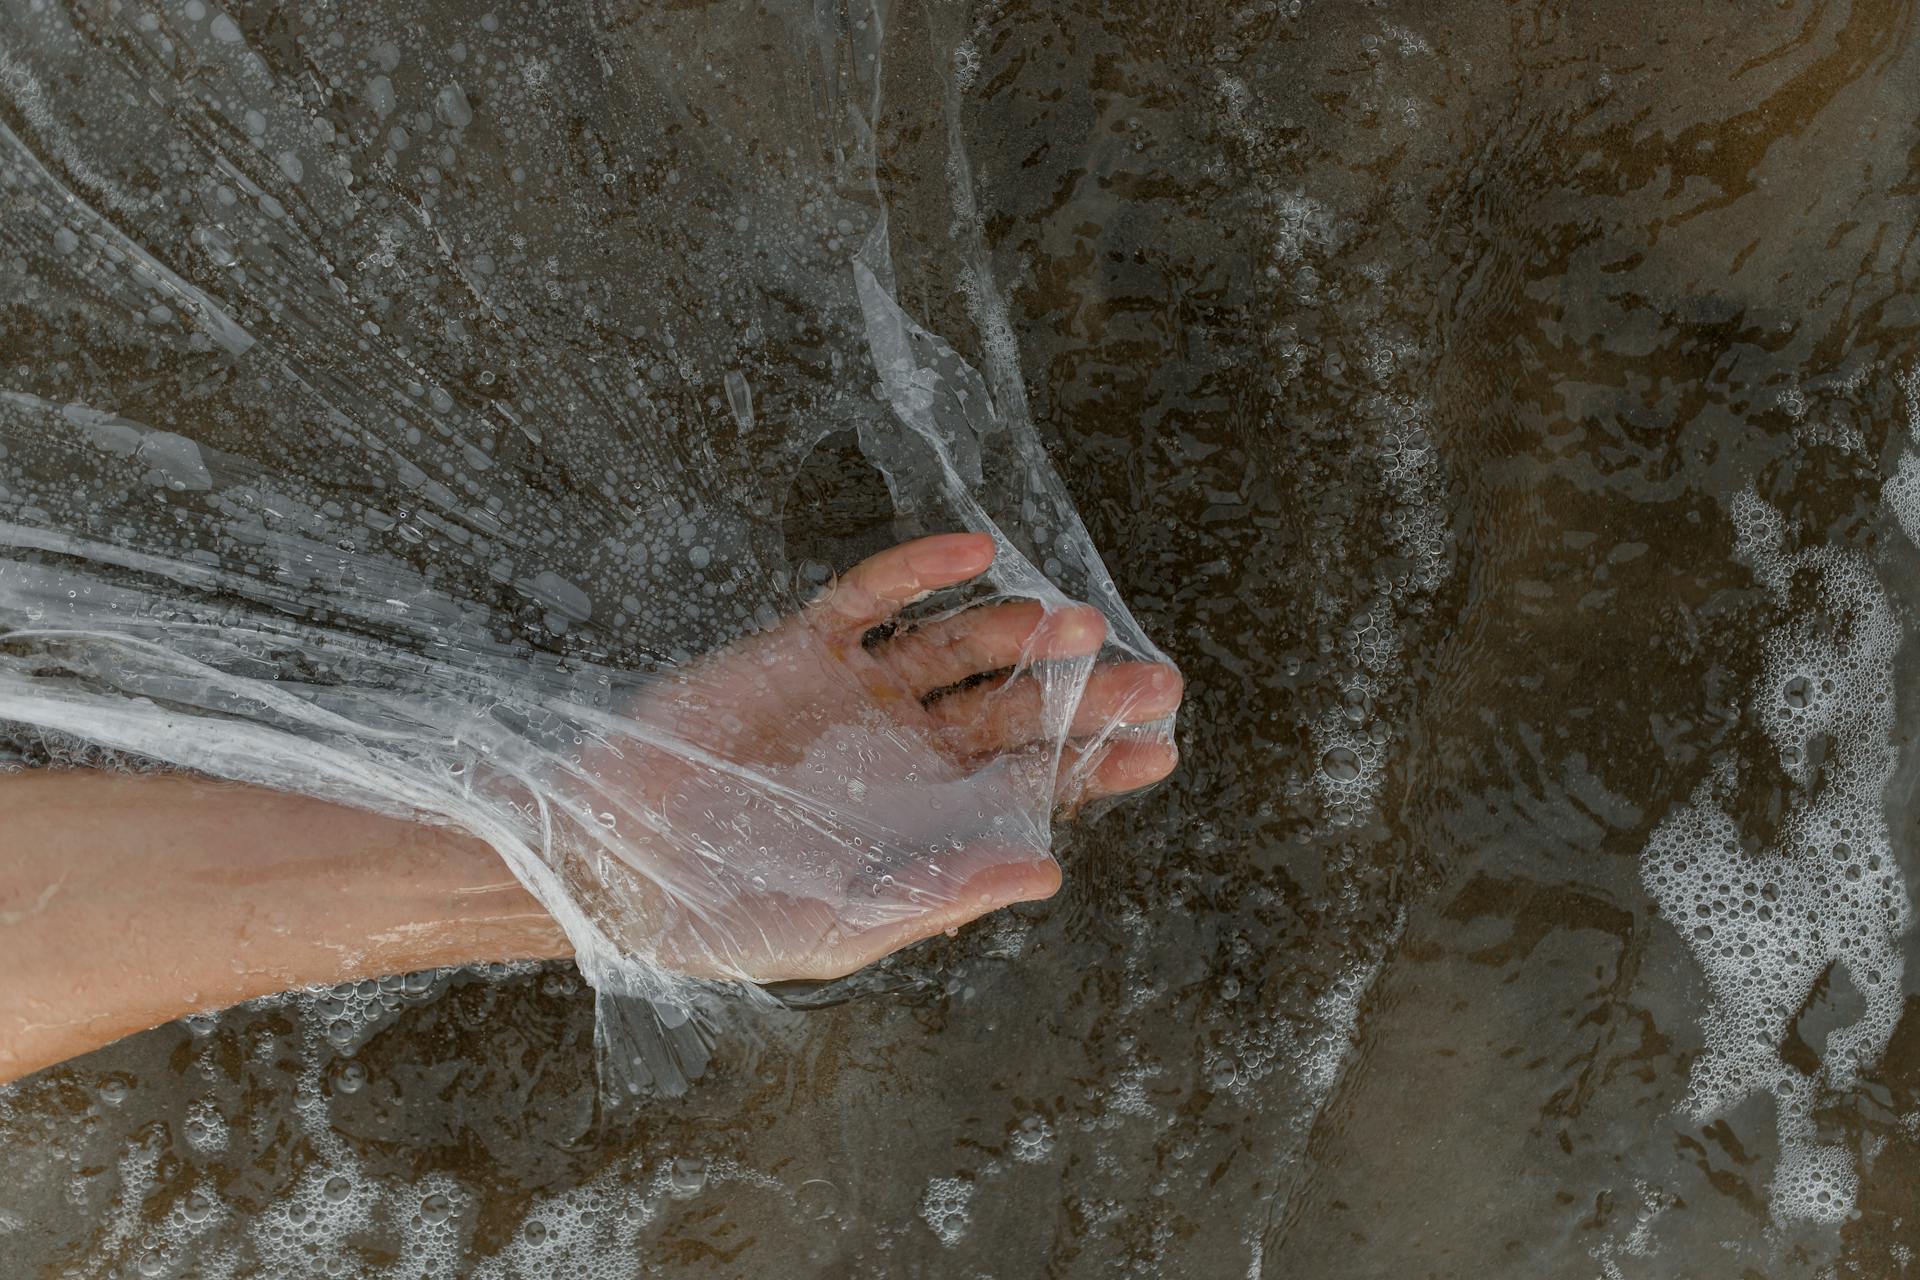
1825	896
946	1208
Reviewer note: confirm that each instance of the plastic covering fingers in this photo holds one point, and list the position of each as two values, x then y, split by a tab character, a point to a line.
1097	772
995	716
990	638
880	586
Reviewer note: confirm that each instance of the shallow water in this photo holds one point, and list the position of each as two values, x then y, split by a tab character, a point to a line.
1418	372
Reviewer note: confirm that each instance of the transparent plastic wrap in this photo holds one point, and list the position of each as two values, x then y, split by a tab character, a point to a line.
326	467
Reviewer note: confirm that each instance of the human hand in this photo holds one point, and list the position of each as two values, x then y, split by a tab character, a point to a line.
825	792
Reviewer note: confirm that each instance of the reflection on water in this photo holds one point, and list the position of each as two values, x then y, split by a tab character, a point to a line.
1503	414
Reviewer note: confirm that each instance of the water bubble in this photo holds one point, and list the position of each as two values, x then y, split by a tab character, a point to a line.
451	105
1032	1139
945	1208
351	1077
1340	764
337	1188
436	1209
380	96
1798	693
816	1198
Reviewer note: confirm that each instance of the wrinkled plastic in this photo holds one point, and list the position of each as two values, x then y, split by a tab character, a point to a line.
323	467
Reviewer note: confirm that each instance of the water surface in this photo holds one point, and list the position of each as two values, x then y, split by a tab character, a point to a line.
1416	369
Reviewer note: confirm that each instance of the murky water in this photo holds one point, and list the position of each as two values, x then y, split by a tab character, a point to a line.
1506	416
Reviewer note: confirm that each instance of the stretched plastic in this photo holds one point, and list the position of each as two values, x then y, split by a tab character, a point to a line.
412	409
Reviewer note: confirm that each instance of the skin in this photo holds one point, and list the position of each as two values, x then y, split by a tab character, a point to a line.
129	900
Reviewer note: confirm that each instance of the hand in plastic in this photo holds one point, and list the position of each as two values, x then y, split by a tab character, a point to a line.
835	788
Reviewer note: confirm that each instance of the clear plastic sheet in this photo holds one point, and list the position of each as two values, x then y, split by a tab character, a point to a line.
333	462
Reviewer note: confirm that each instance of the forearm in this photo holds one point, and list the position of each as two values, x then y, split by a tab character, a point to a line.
127	901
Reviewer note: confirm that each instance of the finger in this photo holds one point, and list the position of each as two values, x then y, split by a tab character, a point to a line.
1111	769
881	585
973	883
946	651
999	716
815	940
